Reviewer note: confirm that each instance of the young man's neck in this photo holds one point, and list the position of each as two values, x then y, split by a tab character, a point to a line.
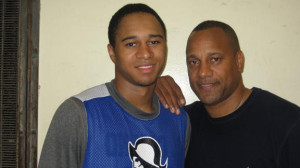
139	96
231	104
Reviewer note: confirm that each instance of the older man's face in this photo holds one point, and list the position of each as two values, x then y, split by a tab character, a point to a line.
213	67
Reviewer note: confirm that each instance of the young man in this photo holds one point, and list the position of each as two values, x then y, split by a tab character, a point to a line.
121	123
233	126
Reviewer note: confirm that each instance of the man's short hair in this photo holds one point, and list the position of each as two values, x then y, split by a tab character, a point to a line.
129	9
225	27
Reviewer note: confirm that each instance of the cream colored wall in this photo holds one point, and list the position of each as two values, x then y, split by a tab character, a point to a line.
73	40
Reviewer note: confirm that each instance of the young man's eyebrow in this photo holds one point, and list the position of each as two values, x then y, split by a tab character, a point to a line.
150	36
156	35
128	38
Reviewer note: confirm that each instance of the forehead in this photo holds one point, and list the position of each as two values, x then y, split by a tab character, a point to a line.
209	38
138	23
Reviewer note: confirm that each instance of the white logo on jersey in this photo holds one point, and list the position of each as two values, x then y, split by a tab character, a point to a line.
146	153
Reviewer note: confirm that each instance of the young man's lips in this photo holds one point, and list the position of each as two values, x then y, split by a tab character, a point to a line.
146	68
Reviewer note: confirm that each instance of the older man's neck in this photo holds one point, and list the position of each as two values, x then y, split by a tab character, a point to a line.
231	104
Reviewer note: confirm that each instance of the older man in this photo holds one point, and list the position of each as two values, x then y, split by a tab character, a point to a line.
232	126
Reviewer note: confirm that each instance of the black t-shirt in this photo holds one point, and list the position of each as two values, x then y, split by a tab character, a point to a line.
263	133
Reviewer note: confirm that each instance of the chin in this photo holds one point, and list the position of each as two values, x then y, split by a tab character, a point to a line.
209	99
146	82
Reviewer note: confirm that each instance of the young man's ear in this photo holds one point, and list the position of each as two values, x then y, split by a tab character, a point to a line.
111	52
240	60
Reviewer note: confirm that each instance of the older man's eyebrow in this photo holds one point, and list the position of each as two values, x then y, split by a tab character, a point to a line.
191	56
214	53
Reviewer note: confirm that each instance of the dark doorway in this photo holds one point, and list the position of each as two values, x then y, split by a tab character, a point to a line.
19	42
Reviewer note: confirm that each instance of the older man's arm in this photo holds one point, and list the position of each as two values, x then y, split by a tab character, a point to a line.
169	93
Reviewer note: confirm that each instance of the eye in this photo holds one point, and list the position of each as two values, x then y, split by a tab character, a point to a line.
215	60
193	62
153	42
131	44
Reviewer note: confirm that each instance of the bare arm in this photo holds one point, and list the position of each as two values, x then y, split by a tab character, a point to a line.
169	93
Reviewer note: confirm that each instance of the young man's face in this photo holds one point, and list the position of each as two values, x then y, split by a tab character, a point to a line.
140	49
214	69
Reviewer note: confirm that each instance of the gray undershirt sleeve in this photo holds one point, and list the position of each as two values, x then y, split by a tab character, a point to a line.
66	138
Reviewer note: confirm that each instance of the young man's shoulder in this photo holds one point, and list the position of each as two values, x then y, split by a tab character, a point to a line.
94	92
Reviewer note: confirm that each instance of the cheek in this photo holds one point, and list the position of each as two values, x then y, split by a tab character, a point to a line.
192	77
160	52
160	57
124	62
225	76
192	72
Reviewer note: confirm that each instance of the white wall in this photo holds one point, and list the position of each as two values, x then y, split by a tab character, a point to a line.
73	40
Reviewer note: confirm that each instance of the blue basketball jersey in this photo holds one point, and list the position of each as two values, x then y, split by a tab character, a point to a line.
122	136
